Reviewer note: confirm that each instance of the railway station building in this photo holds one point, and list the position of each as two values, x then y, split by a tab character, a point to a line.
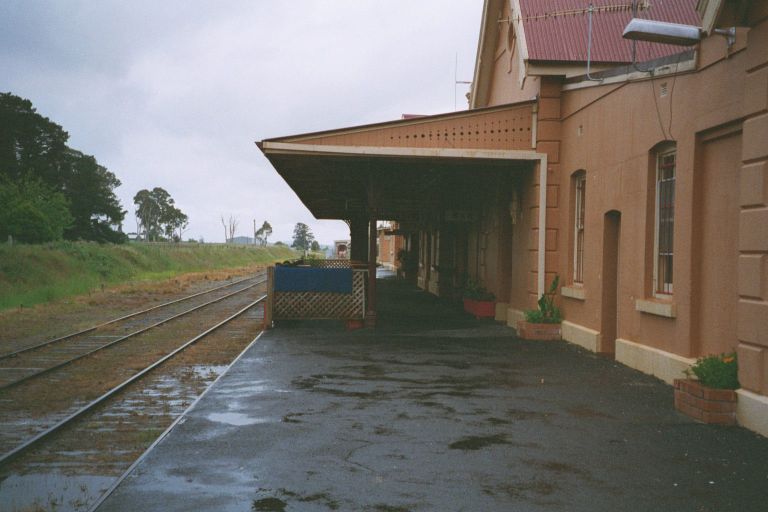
637	172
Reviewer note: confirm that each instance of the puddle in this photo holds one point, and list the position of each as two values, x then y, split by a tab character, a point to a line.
269	505
235	418
51	491
478	442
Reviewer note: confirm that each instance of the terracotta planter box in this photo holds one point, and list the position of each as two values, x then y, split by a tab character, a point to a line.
538	332
705	404
480	308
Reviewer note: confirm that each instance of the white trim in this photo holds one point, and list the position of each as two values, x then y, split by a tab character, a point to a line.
658	307
516	14
663	70
479	62
580	335
752	411
653	361
574	292
514	316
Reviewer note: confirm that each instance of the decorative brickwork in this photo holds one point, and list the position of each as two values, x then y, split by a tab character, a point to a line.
717	406
538	332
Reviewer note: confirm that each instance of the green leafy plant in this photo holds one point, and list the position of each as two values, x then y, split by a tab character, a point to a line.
475	291
547	313
717	371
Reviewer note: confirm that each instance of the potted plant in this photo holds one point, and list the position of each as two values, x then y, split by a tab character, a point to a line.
478	301
542	324
409	263
710	397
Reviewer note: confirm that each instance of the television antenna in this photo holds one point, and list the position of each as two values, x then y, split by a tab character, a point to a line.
456	81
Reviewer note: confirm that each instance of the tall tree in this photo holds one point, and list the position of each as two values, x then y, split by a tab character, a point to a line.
302	237
157	214
263	233
32	147
96	208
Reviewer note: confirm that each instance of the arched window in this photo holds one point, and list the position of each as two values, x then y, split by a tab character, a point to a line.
664	213
579	187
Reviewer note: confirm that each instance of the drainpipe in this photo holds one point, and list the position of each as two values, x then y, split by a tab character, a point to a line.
542	223
542	246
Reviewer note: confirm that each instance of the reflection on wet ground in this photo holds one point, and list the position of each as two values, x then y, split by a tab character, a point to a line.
420	416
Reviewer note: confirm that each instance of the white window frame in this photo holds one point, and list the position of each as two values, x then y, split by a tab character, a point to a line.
669	287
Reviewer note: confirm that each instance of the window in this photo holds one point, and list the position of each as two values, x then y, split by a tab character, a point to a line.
580	187
665	223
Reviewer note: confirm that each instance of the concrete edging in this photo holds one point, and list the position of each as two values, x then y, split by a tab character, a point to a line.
580	335
653	361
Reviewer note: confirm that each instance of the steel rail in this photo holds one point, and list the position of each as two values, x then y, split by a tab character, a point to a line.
106	494
126	317
9	456
123	338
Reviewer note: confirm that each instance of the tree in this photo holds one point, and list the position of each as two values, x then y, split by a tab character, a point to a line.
230	227
175	220
263	233
32	212
94	206
302	237
32	147
315	246
157	215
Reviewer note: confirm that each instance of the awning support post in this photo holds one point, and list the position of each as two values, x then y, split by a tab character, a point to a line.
370	314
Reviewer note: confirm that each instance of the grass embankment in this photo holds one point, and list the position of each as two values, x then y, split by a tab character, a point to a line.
35	274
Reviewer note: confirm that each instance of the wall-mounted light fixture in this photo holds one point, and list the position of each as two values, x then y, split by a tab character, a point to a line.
662	32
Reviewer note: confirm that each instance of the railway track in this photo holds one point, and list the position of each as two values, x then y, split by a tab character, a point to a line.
33	361
106	434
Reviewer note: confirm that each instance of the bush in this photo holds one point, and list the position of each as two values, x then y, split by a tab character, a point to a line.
31	211
717	371
475	291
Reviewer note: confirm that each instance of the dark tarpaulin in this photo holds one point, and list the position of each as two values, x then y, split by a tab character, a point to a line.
309	279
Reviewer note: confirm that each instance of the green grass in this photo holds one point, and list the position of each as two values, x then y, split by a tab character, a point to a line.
35	274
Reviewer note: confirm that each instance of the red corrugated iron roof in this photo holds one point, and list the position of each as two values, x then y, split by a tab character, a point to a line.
556	30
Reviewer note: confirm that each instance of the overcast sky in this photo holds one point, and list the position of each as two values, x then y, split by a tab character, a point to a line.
174	93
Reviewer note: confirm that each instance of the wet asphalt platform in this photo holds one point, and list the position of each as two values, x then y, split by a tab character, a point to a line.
434	411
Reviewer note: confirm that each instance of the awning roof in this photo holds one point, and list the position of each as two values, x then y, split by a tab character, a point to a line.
408	169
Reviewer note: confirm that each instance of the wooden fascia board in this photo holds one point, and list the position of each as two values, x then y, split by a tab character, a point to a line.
292	148
544	68
396	123
484	60
517	17
709	10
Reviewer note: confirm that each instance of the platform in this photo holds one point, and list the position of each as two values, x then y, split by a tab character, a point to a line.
433	410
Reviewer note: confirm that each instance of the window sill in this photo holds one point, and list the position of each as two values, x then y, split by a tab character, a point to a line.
574	292
658	307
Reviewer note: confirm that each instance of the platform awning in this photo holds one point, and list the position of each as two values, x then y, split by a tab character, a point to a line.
407	169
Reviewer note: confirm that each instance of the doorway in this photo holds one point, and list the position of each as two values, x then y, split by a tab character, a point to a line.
610	294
